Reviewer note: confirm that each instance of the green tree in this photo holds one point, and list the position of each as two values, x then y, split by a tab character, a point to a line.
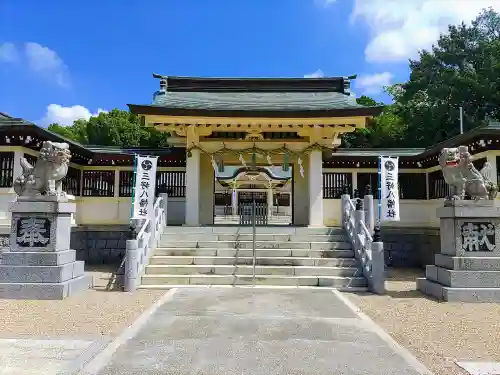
461	70
115	128
385	130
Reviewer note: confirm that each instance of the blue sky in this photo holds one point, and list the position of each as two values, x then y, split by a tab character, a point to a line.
61	60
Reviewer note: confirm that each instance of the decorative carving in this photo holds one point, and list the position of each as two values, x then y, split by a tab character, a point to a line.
33	232
4	242
254	135
462	176
478	236
45	177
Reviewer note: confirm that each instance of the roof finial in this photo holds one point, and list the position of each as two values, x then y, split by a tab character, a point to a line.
163	85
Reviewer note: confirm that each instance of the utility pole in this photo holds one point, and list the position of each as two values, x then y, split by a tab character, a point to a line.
461	120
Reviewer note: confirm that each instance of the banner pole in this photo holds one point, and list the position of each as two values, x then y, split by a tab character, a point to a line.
133	188
379	190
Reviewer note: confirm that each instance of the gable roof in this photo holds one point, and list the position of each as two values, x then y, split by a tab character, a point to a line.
257	97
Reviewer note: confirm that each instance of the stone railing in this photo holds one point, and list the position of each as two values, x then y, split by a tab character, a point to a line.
141	246
368	249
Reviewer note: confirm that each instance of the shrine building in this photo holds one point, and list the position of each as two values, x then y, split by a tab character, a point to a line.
236	140
256	122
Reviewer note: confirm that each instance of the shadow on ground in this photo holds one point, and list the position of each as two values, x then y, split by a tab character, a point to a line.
105	277
401	283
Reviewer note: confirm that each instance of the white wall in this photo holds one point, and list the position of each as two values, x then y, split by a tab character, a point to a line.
413	213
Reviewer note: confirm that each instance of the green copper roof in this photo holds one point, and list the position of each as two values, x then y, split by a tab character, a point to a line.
253	94
255	100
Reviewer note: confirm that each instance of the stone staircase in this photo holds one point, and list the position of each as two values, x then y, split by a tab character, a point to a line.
223	256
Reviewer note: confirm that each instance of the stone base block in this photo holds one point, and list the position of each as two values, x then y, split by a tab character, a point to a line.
448	294
41	274
463	279
46	291
39	258
483	263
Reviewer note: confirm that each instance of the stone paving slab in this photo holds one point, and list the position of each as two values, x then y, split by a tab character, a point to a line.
45	356
258	332
481	368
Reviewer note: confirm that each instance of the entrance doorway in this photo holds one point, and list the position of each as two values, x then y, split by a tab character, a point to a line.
238	189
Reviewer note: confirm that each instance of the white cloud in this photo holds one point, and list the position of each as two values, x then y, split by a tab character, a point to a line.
66	115
8	52
372	84
401	28
44	61
317	74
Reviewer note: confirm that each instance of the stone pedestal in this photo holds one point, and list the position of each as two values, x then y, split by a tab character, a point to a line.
40	263
467	268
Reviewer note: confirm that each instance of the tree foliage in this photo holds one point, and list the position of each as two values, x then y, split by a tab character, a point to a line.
385	130
115	128
461	70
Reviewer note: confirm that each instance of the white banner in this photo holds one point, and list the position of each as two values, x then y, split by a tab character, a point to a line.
389	200
145	186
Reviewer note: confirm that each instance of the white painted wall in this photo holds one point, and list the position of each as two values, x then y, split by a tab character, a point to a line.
413	213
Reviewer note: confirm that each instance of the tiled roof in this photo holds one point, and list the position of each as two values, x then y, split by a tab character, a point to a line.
255	100
255	94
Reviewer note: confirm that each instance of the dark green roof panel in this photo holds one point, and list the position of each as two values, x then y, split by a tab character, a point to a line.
255	100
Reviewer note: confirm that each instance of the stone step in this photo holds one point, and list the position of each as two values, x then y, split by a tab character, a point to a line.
275	261
463	279
258	245
469	263
43	258
350	289
210	252
46	291
331	281
166	238
249	230
449	294
41	274
248	270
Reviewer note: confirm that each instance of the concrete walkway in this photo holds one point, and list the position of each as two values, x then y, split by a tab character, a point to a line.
218	331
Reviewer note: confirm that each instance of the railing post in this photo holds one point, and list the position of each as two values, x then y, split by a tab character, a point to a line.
131	266
165	206
344	199
359	216
378	264
369	210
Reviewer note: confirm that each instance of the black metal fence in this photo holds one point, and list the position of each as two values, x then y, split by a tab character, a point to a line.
335	184
98	184
72	183
6	169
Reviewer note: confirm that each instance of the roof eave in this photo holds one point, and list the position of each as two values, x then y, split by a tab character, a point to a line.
191	112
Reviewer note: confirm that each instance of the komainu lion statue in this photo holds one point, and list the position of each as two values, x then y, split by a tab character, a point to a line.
45	177
463	177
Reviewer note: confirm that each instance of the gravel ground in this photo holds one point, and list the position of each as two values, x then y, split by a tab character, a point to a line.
438	334
95	312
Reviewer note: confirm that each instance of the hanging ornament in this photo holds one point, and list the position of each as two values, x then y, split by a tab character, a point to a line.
220	164
214	164
269	161
254	159
242	160
285	162
301	167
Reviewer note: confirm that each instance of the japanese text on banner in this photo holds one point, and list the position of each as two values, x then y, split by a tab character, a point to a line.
389	189
145	185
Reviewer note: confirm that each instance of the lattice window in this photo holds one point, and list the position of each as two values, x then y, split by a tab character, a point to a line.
334	184
98	184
